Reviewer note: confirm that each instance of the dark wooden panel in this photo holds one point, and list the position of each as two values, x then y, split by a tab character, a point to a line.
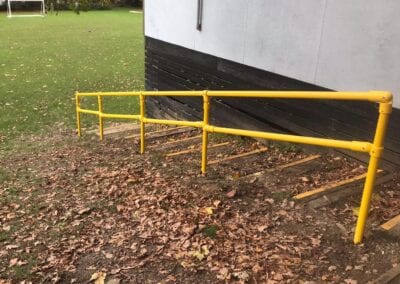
170	67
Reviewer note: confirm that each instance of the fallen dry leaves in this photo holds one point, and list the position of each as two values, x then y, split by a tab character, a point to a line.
84	212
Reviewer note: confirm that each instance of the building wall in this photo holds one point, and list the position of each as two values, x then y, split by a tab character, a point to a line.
336	44
172	67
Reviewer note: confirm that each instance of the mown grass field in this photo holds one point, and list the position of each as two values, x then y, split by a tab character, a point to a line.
43	61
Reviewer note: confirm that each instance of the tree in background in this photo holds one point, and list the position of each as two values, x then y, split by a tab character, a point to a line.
135	3
76	5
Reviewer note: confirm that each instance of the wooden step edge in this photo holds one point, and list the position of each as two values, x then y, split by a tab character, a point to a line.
164	145
391	224
116	129
330	187
284	166
337	195
169	131
391	276
238	156
169	155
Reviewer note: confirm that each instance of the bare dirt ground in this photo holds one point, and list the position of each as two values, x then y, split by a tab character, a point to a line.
72	207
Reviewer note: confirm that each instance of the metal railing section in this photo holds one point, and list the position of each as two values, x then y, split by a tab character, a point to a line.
374	148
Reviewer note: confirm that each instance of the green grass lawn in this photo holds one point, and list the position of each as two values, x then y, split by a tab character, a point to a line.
43	61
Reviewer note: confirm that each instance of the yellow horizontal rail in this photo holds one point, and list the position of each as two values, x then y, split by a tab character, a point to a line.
108	94
350	145
373	96
157	132
120	116
374	149
109	115
145	93
88	111
197	124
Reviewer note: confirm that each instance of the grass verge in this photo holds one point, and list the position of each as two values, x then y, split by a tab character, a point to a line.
45	60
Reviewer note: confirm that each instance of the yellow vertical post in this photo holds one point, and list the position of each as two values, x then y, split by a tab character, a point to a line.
206	117
100	103
142	125
78	114
375	154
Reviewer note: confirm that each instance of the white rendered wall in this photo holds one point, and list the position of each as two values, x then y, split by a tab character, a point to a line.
338	44
173	21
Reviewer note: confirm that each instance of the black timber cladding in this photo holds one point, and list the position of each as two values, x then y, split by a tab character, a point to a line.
171	67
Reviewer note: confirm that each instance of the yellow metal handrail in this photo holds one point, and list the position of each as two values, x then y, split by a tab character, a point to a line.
375	149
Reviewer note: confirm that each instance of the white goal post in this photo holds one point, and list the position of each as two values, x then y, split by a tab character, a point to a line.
41	13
